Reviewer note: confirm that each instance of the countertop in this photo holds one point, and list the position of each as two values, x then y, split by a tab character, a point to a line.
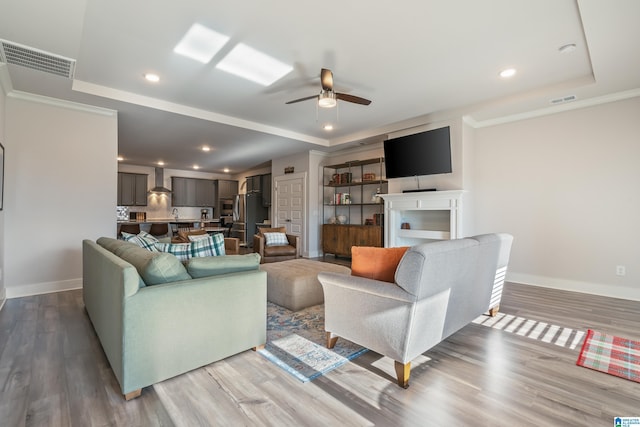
166	220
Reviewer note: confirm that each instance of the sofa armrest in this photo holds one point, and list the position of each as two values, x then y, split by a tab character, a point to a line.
293	240
338	282
258	244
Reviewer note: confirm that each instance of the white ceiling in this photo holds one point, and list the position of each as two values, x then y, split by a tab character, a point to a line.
413	60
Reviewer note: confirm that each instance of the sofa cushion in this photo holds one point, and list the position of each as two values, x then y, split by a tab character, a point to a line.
154	267
112	244
275	239
270	251
376	263
211	266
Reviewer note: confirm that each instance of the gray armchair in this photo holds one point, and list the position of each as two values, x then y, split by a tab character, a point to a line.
439	288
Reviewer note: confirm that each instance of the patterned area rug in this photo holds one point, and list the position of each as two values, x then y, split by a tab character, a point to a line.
612	355
296	342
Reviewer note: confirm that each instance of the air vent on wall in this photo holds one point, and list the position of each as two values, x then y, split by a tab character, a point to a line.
563	99
39	60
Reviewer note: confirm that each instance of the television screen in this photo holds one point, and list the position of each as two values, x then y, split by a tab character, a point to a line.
424	153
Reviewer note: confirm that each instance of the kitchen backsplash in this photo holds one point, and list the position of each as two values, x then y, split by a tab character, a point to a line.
154	212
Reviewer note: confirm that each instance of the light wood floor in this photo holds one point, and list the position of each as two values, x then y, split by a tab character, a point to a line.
54	373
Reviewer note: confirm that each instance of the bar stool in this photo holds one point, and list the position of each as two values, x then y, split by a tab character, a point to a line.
159	229
129	228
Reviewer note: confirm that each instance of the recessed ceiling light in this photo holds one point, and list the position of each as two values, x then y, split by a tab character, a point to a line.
153	78
196	167
160	163
509	72
201	43
328	126
205	148
567	48
120	158
225	170
251	64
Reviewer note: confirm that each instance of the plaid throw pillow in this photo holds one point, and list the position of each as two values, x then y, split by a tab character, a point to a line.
202	247
207	245
144	240
182	251
275	239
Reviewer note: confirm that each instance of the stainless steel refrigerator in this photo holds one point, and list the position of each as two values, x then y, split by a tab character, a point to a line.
247	212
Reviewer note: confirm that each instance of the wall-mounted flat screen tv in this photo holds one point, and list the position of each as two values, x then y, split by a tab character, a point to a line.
424	153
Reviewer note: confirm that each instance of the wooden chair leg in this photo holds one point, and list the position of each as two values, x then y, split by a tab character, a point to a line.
403	370
133	394
331	340
494	310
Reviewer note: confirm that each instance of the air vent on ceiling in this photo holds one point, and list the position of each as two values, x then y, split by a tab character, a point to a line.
563	99
16	54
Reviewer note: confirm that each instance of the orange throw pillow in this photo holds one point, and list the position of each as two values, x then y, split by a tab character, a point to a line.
376	263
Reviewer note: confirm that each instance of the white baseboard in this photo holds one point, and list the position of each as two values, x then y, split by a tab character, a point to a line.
43	288
601	289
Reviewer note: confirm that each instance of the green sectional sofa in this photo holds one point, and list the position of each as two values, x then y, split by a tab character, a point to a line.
157	317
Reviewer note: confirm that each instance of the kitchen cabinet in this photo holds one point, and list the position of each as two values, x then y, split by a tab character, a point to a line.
254	184
132	189
265	183
227	189
192	192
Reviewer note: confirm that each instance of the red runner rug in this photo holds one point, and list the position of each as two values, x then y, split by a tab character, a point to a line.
612	355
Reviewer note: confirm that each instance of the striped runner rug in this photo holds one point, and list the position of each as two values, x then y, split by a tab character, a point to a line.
612	355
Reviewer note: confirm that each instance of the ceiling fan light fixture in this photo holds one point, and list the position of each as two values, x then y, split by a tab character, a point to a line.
327	99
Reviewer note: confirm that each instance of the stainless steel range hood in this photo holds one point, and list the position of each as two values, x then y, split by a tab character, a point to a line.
159	188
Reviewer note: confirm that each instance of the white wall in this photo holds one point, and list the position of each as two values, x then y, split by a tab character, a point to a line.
3	142
60	188
566	186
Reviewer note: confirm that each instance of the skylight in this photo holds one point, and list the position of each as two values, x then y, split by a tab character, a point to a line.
201	43
250	64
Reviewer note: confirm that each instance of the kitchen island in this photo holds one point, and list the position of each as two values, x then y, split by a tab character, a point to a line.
210	225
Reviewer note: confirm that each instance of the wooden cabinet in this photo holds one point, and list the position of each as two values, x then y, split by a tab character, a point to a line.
205	193
266	189
338	239
132	189
254	184
352	207
192	192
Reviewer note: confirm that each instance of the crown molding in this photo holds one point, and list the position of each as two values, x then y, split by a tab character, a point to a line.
575	105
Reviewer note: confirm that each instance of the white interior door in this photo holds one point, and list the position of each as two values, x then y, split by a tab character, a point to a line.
290	204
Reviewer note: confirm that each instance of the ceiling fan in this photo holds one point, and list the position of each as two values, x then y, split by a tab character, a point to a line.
327	97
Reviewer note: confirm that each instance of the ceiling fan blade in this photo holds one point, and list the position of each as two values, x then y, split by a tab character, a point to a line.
326	79
353	98
302	99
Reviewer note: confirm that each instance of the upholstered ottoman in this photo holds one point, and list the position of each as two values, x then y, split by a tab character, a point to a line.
294	284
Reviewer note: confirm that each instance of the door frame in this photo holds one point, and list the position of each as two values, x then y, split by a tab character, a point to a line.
276	180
